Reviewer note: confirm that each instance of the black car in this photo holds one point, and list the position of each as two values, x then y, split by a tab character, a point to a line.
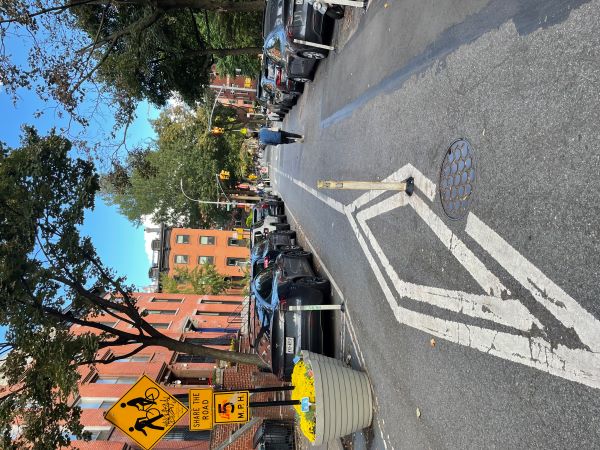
280	48
267	207
290	281
279	89
267	250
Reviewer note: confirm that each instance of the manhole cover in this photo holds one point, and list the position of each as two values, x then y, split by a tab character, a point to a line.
457	179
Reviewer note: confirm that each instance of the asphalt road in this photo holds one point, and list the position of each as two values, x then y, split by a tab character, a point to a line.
488	325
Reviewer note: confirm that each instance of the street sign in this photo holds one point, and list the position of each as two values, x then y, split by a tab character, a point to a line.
146	412
231	407
201	406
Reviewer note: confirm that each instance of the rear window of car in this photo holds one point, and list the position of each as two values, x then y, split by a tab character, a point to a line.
270	16
264	283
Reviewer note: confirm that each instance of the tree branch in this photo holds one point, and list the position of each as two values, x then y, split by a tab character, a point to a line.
112	358
139	25
60	8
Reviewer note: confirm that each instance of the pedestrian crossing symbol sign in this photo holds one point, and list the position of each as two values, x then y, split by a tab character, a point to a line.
146	412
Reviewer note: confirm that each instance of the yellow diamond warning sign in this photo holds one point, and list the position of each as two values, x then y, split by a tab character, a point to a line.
201	405
230	407
146	412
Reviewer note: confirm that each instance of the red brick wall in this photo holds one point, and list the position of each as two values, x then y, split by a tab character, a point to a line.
245	377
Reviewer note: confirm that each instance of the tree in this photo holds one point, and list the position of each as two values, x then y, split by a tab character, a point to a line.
50	279
201	280
116	52
181	165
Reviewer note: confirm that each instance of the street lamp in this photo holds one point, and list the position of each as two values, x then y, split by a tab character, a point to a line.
213	108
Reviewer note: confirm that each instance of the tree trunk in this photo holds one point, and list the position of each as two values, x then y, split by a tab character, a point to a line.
200	350
224	51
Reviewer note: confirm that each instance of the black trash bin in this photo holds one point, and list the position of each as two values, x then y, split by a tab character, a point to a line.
275	435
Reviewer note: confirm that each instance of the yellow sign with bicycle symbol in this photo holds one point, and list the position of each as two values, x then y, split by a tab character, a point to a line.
146	412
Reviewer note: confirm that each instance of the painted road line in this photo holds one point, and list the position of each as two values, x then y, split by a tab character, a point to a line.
576	365
547	293
506	312
338	291
422	183
353	337
339	207
486	279
490	307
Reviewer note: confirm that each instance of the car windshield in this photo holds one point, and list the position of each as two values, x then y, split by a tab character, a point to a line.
297	267
263	285
259	249
273	47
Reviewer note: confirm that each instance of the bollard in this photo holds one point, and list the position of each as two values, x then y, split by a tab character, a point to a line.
407	185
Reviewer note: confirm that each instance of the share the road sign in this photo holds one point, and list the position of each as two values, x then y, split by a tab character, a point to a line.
231	407
146	412
201	406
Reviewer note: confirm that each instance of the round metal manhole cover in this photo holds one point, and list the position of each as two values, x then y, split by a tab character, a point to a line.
457	179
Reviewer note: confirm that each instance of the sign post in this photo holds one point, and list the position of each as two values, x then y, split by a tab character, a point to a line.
146	412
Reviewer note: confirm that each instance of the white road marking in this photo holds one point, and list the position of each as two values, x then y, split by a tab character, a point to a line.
348	319
507	312
421	182
339	207
486	279
576	365
548	294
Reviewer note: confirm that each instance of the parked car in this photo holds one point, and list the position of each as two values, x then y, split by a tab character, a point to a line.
290	281
277	85
267	250
285	53
260	233
268	207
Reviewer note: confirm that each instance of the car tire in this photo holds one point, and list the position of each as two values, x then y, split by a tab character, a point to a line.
336	12
299	254
302	79
312	54
290	233
282	218
319	283
282	226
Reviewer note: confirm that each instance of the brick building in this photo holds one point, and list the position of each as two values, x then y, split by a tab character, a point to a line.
179	248
238	91
208	320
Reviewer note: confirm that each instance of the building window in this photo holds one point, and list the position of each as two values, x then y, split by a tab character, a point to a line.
161	325
182	239
194	359
206	259
207	240
108	324
95	402
233	242
115	380
220	302
166	300
181	259
218	340
217	313
96	434
236	261
135	358
166	312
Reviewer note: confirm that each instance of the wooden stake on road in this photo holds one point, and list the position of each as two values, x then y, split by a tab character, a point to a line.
402	186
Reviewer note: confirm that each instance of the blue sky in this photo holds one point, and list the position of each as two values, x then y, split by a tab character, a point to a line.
118	242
